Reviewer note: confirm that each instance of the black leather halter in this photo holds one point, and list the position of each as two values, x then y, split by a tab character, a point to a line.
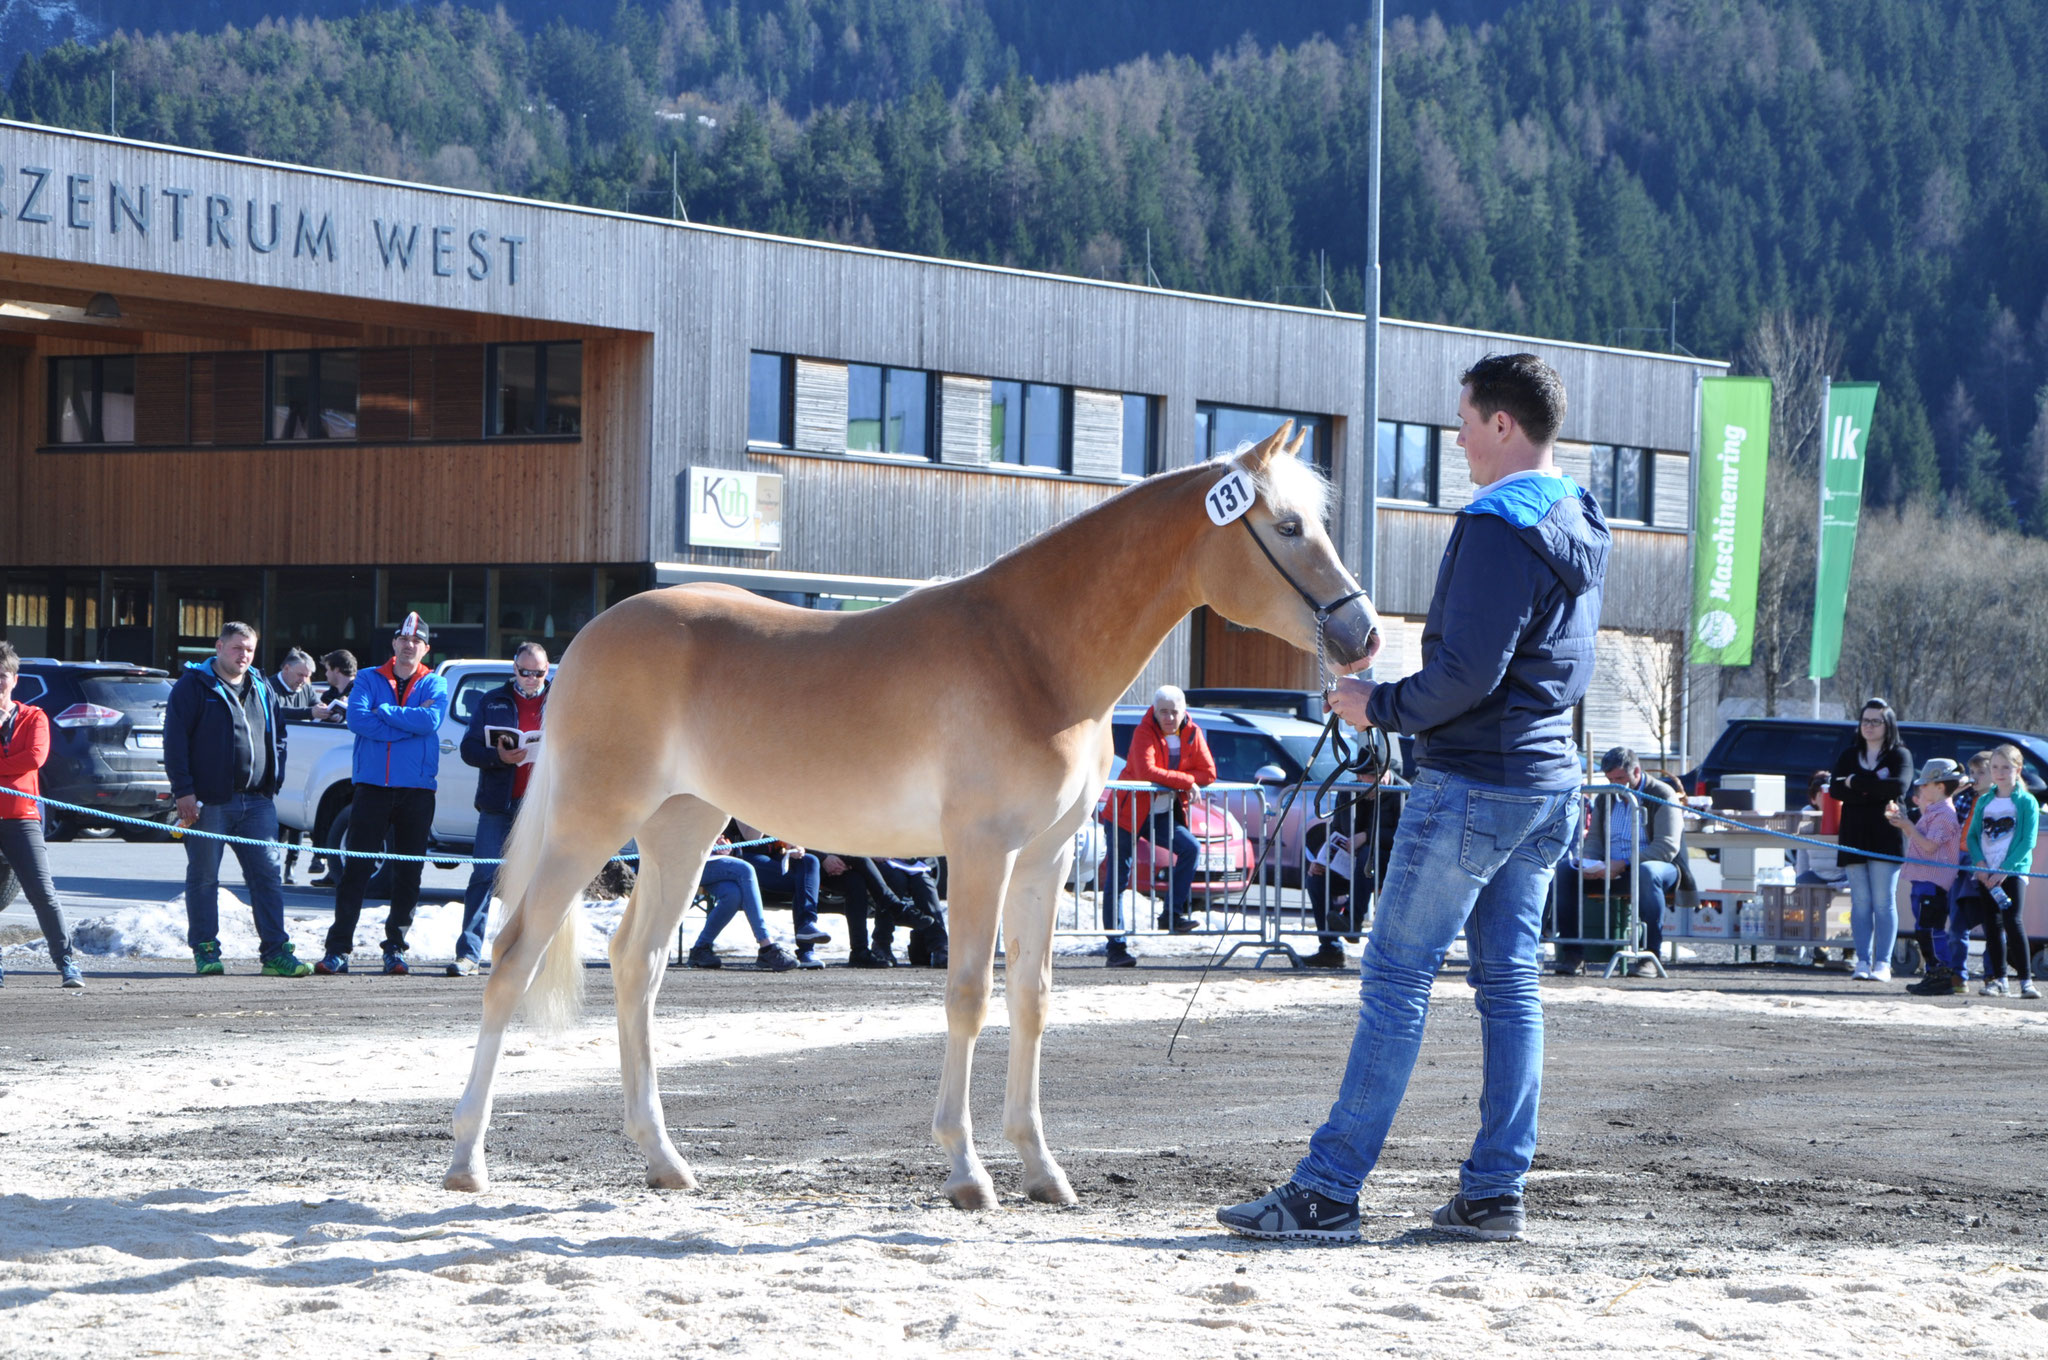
1322	611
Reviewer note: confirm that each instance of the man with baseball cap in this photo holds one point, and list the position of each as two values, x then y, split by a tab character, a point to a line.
396	712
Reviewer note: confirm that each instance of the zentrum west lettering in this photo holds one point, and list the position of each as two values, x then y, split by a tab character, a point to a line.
40	196
1721	584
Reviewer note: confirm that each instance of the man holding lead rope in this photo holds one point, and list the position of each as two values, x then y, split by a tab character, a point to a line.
1507	652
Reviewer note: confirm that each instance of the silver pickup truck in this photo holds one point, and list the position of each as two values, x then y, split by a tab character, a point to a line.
315	795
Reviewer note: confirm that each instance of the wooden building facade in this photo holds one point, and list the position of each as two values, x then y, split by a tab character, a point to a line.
314	400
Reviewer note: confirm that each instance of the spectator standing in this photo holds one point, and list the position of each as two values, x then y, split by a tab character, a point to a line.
24	746
1871	774
332	706
504	764
1938	837
2003	826
730	883
1169	750
396	712
1979	784
293	690
1507	652
224	750
1653	827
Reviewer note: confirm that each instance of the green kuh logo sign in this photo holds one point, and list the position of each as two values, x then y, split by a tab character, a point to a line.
726	498
1735	423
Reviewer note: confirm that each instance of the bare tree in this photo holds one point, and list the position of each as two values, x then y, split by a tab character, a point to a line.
1797	355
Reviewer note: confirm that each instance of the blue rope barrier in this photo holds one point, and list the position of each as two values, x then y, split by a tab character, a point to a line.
337	851
1797	839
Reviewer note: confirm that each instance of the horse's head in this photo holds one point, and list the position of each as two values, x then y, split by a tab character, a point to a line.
1269	564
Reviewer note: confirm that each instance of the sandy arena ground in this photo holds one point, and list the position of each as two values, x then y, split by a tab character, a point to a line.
1734	1163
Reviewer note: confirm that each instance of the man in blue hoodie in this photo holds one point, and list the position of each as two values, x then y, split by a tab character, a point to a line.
396	712
224	756
1507	651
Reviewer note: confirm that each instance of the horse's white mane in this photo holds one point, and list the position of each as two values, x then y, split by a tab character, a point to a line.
1289	484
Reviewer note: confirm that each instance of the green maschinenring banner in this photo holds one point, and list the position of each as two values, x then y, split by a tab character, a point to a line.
1847	423
1735	435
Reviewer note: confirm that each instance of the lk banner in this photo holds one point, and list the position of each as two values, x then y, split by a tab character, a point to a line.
1735	436
1846	422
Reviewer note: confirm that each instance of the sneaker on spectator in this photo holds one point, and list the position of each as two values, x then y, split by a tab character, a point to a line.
1497	1218
1119	956
807	958
865	958
462	968
395	964
1881	973
1293	1213
704	956
812	935
72	979
206	959
1993	987
1938	982
285	963
1329	955
938	958
2029	990
331	965
774	958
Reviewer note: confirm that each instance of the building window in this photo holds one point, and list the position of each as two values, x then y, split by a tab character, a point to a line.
1407	462
1027	424
770	388
888	410
1141	453
1220	429
1621	481
536	389
313	394
92	400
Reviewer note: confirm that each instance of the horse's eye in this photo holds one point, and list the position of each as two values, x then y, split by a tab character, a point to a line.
1289	528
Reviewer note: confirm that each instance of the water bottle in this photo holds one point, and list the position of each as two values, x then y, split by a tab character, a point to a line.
1999	899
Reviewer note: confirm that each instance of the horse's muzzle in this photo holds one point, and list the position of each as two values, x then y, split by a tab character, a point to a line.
1352	634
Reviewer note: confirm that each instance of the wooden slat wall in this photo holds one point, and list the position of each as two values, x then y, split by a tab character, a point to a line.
1453	474
1671	490
201	388
240	407
820	406
1098	447
162	399
384	400
458	392
1237	657
963	420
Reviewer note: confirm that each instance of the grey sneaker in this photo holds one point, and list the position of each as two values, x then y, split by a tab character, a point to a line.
1495	1219
1995	987
774	958
71	977
1292	1213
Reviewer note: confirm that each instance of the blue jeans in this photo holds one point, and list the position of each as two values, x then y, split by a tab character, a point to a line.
798	877
1478	857
245	814
1873	910
491	830
1123	849
734	889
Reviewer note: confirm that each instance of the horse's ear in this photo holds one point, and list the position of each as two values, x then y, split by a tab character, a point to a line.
1260	456
1294	444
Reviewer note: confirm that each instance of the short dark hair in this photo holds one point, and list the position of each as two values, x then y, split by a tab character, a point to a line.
1619	758
233	629
1524	386
10	660
343	661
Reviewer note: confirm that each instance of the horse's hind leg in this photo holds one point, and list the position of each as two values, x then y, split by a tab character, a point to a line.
978	881
1027	980
672	849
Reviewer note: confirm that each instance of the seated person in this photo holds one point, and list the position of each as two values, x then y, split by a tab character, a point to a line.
786	868
733	888
868	885
1657	831
1330	848
914	885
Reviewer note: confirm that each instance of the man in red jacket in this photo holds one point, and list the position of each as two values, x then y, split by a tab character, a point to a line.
1169	751
24	746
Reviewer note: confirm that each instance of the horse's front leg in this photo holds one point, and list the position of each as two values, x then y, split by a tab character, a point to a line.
978	880
1027	979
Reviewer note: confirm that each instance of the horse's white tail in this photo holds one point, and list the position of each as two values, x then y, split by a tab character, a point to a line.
555	999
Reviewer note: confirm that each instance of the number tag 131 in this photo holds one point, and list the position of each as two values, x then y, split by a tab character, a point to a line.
1230	498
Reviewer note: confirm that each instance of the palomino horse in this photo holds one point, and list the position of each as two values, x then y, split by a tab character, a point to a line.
969	719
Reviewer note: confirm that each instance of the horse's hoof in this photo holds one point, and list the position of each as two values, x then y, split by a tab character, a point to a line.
972	1196
469	1182
1053	1190
670	1178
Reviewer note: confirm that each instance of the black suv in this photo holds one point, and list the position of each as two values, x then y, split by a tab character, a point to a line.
1796	747
106	740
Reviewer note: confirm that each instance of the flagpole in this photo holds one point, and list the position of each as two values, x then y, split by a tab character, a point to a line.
1820	527
1369	437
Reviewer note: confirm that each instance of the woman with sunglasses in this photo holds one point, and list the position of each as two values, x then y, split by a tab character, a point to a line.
1872	775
